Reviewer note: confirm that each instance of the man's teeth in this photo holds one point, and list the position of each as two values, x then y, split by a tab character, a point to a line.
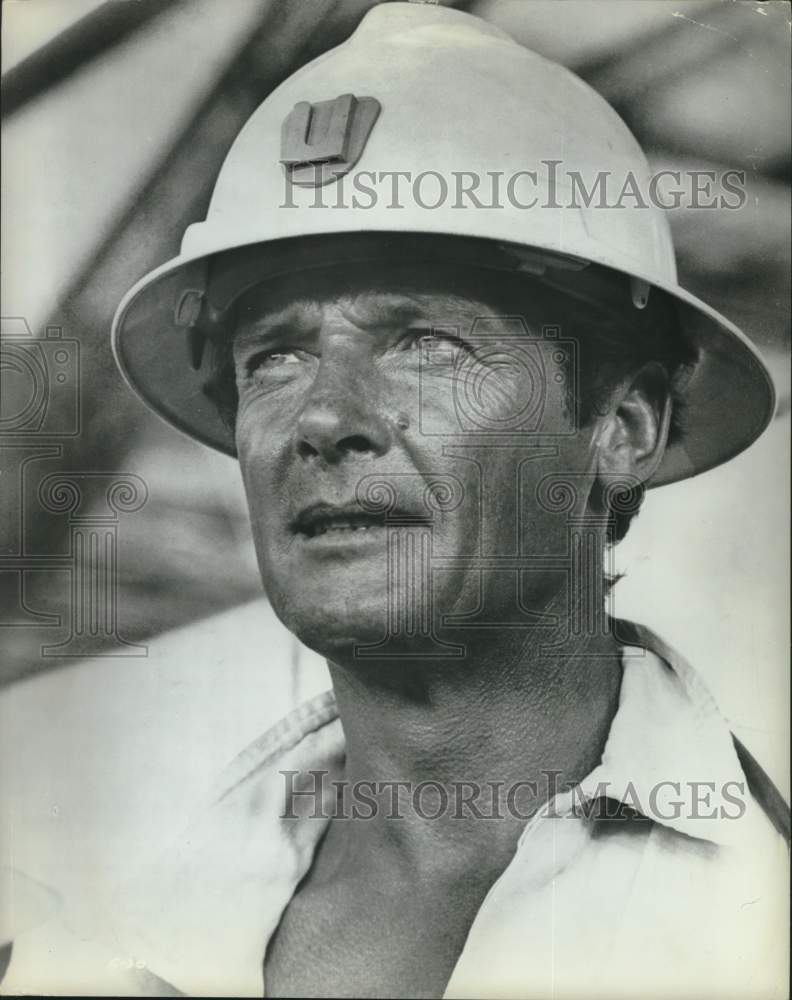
322	529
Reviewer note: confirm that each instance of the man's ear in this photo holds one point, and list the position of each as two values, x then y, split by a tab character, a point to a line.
633	433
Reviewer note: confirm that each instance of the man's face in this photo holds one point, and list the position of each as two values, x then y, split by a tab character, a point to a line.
395	432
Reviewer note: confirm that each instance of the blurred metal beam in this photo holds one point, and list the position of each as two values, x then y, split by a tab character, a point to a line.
622	77
91	36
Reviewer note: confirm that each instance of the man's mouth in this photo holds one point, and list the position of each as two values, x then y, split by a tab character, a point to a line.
322	519
341	520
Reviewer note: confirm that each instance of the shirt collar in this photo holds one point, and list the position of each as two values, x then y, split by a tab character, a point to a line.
201	916
669	754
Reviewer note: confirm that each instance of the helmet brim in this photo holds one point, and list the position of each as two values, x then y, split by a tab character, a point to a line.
728	398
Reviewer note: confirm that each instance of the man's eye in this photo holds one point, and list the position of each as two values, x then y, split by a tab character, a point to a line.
438	351
267	360
430	340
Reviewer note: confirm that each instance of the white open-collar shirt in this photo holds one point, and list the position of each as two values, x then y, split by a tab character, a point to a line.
692	903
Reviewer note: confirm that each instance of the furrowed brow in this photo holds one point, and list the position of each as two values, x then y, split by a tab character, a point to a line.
424	310
297	320
381	312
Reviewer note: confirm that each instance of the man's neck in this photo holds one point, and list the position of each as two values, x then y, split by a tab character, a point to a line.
508	717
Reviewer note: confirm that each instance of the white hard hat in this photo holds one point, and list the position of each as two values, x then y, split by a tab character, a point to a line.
436	95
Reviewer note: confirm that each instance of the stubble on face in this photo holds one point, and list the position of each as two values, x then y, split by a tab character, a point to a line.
385	466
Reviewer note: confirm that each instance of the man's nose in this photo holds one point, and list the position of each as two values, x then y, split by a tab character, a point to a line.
342	411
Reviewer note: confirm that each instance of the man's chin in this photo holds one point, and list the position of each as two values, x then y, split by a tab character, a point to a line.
336	633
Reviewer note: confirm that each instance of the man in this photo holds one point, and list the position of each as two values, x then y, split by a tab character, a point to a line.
446	409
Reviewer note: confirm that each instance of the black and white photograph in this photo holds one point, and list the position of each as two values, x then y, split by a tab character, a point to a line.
394	498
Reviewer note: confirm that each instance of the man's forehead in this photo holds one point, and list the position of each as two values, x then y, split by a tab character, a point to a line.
390	301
